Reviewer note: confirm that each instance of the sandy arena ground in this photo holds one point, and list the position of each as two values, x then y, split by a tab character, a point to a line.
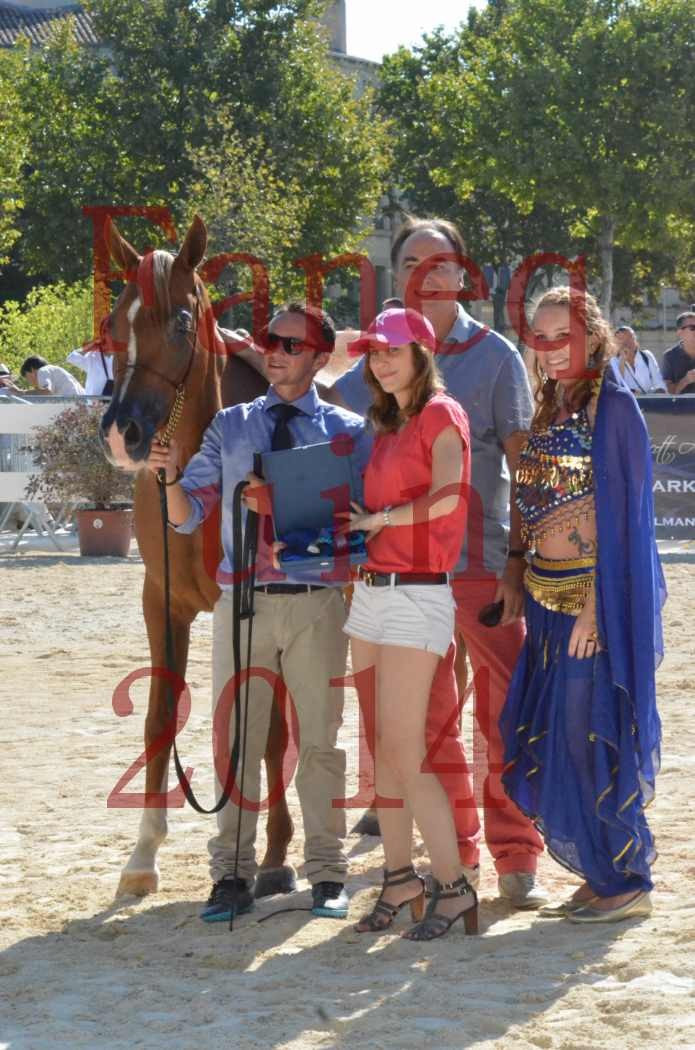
81	970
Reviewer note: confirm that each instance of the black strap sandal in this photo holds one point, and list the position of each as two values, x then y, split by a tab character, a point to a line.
434	923
382	914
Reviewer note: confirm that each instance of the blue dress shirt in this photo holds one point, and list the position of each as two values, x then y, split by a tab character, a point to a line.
226	457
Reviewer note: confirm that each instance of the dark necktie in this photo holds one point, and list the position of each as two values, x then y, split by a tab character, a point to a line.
282	414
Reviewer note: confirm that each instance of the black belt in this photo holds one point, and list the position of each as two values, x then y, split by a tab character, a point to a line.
288	588
400	579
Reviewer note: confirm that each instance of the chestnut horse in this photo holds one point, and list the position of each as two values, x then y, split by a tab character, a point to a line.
173	371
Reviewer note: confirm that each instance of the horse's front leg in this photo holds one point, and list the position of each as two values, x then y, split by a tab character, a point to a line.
274	875
141	873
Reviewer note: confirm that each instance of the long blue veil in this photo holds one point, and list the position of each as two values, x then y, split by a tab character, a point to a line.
630	584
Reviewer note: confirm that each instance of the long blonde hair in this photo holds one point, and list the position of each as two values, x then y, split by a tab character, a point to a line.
594	323
385	414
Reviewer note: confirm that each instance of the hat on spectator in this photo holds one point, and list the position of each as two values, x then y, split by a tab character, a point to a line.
396	326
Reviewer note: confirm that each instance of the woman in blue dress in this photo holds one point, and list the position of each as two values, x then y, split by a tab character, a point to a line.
580	725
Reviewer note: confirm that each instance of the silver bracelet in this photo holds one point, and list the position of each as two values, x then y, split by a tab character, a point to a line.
387	515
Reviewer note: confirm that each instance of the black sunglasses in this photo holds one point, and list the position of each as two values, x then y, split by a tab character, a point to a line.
289	343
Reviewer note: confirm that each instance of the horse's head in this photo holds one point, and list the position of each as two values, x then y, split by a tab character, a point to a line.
153	331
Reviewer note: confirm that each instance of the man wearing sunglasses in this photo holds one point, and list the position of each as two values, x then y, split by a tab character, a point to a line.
678	365
297	626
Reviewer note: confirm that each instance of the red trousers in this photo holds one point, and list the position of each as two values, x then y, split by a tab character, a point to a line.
493	651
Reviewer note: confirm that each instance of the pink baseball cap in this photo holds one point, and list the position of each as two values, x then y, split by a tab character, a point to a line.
395	327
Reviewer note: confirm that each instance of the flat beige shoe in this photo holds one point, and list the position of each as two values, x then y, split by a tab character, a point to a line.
565	908
639	905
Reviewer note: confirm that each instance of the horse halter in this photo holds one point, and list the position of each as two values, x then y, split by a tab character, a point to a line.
145	283
172	422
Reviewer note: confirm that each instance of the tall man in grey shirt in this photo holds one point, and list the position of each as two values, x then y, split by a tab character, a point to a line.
485	373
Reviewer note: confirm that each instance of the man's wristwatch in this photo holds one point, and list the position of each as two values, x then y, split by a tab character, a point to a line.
386	514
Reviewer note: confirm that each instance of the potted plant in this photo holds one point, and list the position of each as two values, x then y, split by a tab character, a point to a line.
72	468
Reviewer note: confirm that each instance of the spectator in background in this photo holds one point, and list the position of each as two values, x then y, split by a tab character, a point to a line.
639	367
678	365
49	379
7	383
98	369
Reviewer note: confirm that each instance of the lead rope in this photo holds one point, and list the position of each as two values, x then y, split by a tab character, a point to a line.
241	573
244	576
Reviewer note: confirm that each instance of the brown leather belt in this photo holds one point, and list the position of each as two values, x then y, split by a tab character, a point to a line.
288	588
400	579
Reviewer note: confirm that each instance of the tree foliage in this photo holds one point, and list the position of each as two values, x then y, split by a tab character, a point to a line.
181	89
423	157
52	321
13	136
571	112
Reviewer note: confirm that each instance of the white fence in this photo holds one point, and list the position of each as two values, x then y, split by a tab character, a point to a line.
17	421
19	417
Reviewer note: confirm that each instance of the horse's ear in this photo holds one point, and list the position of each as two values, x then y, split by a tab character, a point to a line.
122	253
193	247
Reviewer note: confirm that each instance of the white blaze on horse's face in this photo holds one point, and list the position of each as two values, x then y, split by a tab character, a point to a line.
133	311
114	438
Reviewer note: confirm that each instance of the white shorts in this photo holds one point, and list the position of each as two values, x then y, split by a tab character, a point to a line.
420	616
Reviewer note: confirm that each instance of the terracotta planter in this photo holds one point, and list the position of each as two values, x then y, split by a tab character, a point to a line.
105	533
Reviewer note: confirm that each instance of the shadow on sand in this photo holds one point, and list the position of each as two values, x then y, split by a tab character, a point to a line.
141	974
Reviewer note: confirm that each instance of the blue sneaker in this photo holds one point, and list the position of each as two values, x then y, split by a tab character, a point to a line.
330	900
227	894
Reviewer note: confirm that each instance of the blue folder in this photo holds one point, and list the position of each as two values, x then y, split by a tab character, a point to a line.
310	484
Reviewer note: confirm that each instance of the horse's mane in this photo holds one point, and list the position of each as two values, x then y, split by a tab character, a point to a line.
162	263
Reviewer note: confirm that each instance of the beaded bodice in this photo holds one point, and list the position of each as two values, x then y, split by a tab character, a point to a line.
554	478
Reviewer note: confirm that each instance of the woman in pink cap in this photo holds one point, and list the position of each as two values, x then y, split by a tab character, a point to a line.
401	622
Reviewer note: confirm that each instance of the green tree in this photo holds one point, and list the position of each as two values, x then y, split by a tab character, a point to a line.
73	156
13	136
494	229
52	321
580	106
180	87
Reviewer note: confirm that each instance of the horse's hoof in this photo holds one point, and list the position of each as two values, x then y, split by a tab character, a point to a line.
368	824
270	881
137	883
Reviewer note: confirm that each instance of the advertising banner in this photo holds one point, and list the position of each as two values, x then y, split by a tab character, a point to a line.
671	423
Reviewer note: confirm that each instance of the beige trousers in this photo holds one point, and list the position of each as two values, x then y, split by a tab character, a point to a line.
299	638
